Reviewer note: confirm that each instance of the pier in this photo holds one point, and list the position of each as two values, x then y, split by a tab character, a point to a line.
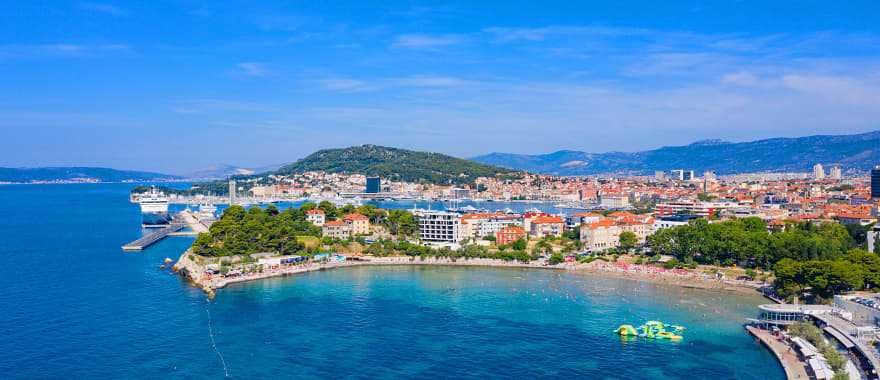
181	220
151	238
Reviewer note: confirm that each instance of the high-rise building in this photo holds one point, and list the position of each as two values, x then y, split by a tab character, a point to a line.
687	175
818	171
374	185
232	192
709	175
875	183
677	174
836	172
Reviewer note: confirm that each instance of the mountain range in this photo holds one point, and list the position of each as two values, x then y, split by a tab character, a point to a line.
220	171
859	152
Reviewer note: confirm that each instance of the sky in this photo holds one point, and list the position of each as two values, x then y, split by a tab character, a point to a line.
177	86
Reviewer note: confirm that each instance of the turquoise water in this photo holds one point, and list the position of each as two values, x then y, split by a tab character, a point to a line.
75	306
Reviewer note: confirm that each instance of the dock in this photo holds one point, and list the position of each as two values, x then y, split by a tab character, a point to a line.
151	238
181	220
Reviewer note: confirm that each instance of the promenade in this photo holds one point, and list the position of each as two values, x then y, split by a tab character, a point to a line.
793	366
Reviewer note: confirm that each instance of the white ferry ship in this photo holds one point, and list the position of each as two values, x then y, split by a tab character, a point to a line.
154	208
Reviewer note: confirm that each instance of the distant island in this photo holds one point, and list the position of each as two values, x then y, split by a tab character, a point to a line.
78	175
858	152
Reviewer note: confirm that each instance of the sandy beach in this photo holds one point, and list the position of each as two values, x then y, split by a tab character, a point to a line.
677	277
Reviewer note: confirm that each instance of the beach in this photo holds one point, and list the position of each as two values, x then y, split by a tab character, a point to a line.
188	266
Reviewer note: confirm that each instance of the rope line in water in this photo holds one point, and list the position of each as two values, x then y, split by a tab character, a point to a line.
213	342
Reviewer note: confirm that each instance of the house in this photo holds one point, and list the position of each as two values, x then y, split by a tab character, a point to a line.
543	226
316	217
358	224
601	235
336	229
509	234
485	224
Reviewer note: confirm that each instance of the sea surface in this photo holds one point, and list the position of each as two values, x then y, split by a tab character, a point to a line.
73	305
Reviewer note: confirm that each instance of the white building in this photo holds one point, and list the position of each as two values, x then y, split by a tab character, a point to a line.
836	173
438	226
316	217
818	171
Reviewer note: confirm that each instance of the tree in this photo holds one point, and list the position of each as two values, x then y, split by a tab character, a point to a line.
628	240
519	245
556	258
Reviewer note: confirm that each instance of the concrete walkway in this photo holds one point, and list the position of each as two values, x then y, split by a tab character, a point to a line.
794	367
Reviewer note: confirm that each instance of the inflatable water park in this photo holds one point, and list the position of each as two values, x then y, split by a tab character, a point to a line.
653	330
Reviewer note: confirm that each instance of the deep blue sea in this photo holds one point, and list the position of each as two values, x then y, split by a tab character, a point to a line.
73	305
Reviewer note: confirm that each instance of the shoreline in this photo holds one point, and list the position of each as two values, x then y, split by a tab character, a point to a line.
195	272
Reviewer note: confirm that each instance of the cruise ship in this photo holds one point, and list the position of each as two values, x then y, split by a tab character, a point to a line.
154	208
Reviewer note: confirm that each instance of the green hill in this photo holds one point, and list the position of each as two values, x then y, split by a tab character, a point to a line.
396	164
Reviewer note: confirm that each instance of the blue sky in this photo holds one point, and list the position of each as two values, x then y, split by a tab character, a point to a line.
177	86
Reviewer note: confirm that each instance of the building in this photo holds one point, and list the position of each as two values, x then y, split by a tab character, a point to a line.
613	201
672	221
316	217
544	226
818	171
336	229
677	174
458	193
601	235
438	226
836	173
577	219
872	237
374	185
692	207
875	183
358	224
232	191
509	235
687	175
481	225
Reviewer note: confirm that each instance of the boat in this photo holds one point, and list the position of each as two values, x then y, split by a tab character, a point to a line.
154	208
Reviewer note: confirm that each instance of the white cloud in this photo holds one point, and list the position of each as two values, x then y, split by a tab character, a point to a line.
424	41
109	9
430	81
343	84
253	69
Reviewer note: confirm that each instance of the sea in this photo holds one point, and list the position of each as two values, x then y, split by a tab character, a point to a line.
74	305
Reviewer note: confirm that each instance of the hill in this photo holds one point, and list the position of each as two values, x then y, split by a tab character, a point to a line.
395	164
84	174
860	152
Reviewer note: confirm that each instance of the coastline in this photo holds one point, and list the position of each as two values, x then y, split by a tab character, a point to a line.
188	267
